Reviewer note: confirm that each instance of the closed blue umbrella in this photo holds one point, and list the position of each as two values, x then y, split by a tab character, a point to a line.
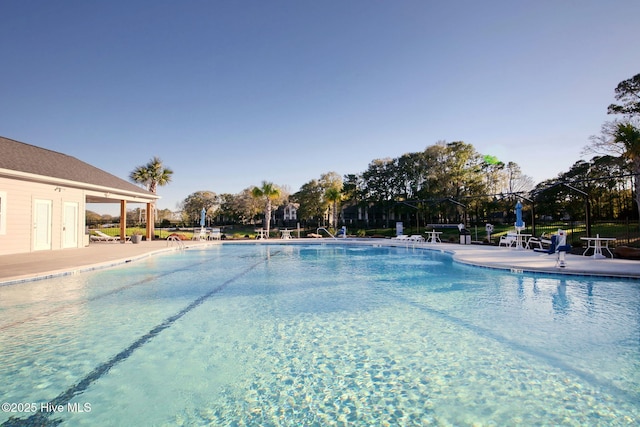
519	222
203	213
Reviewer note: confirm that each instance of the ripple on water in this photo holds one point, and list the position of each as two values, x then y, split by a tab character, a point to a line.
379	369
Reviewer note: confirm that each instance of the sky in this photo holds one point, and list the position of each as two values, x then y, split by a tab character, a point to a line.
232	93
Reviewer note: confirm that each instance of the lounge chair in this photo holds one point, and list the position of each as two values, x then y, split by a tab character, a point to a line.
538	243
552	242
402	237
99	236
416	238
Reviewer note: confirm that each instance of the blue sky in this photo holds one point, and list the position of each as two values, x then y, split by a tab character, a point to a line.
231	93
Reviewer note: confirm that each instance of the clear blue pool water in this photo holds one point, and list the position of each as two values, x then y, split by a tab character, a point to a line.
316	335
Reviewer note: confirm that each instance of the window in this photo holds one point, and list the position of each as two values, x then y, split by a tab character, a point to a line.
290	212
3	212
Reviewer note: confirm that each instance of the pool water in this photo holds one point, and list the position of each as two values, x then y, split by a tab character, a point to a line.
319	335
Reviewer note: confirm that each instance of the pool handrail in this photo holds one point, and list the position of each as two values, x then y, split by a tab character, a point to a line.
171	240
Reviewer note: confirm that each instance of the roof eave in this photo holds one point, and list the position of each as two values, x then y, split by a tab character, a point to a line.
97	190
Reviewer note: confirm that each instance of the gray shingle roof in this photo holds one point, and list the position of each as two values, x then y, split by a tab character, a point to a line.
18	156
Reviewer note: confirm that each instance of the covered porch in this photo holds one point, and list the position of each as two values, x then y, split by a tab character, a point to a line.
122	199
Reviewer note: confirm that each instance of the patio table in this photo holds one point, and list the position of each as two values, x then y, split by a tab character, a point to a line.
596	243
286	234
433	236
520	239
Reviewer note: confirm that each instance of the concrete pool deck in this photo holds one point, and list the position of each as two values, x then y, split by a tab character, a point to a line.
45	264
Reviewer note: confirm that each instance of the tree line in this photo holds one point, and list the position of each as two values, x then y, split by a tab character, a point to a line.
451	182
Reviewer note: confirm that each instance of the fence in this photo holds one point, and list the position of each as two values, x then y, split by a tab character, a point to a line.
625	232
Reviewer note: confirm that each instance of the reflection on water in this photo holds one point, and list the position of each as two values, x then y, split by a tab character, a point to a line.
560	301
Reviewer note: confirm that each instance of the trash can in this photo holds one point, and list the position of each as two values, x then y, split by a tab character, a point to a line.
465	237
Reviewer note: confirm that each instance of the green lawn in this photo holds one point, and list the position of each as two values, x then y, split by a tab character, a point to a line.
628	233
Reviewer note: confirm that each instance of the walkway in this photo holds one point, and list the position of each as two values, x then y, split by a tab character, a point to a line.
530	261
43	264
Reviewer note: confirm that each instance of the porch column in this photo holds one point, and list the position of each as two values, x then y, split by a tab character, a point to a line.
150	221
123	221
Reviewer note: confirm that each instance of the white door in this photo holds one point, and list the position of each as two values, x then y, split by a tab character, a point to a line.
41	225
70	225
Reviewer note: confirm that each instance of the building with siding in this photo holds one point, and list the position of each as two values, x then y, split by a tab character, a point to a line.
43	197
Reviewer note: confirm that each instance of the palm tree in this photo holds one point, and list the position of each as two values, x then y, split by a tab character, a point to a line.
333	195
152	175
268	192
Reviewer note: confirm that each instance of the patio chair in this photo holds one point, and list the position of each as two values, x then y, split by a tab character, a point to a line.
508	240
199	233
416	238
215	234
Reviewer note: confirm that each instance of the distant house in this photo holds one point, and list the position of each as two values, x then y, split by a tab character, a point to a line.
286	215
290	212
43	197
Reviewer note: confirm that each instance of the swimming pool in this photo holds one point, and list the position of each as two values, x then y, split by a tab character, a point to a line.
315	335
